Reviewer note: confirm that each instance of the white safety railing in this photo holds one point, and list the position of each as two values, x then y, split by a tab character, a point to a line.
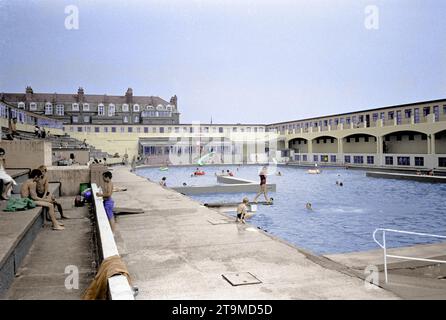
384	247
119	287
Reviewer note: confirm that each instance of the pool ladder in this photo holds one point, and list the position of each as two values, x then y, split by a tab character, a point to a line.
384	247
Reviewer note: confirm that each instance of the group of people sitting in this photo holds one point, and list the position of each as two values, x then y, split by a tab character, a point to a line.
40	133
227	173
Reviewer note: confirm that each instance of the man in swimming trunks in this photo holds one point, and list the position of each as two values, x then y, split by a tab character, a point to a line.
263	188
108	201
28	190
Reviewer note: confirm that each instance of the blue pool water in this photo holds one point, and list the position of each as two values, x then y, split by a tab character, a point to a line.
343	218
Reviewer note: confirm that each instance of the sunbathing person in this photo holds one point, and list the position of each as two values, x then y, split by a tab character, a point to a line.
28	190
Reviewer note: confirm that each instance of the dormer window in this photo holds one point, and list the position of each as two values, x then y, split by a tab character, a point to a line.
21	105
160	107
33	106
125	107
48	108
60	109
101	111
111	110
75	107
150	108
86	107
136	108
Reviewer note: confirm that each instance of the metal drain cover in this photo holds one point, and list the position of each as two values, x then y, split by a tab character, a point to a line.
241	278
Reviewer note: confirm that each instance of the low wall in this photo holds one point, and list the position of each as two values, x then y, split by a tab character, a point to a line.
403	176
118	286
81	156
27	153
70	178
228	188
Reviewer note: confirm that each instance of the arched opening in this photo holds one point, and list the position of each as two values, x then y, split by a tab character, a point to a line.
325	144
440	142
298	145
405	142
359	143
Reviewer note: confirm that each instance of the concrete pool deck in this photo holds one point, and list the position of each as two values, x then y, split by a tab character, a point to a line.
179	249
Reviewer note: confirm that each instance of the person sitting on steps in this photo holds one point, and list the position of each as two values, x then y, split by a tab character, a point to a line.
28	190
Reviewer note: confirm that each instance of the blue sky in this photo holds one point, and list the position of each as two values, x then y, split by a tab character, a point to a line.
235	61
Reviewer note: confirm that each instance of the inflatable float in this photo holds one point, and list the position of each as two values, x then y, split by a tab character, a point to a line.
313	171
164	169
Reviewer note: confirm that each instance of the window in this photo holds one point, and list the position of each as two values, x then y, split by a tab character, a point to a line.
347	159
79	129
366	139
407	113
146	130
358	159
48	108
60	110
399	137
398	117
105	129
442	162
332	158
111	110
297	157
315	158
129	129
100	109
437	113
444	109
33	106
403	161
416	116
136	108
21	105
96	129
122	129
426	111
138	130
125	107
304	157
86	107
356	139
136	119
370	159
75	119
220	130
161	129
419	161
390	115
411	137
375	117
75	107
347	140
86	119
382	115
177	130
113	129
234	129
324	158
71	129
347	120
125	119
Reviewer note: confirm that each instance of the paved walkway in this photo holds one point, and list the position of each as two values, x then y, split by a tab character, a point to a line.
42	273
179	249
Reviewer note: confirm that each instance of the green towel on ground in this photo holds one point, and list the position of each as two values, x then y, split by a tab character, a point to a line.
19	204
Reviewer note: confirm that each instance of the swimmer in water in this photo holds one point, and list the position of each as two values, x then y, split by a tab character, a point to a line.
184	184
308	206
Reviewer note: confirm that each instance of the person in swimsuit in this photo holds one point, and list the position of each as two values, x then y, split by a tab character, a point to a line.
108	201
42	189
7	180
263	188
28	190
241	210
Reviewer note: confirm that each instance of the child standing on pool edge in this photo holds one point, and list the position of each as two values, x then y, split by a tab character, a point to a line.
108	201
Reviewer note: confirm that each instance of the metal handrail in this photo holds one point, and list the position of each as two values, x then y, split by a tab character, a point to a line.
384	247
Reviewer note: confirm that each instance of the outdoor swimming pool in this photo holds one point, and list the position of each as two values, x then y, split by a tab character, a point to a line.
343	218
